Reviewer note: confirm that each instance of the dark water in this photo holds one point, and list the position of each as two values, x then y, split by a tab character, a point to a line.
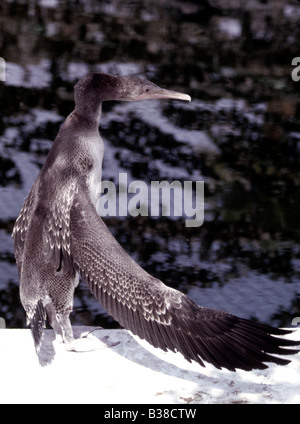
240	135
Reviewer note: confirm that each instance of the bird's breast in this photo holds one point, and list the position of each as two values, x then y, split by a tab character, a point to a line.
94	174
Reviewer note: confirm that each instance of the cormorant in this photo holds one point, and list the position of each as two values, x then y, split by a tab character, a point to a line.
59	236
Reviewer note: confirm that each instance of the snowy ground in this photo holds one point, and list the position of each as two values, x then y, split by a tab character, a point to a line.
125	370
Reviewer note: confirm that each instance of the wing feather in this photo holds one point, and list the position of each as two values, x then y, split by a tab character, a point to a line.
163	316
21	225
56	231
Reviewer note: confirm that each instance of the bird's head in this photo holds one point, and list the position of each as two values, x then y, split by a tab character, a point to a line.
98	87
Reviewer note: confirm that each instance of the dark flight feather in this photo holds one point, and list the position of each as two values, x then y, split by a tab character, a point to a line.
163	316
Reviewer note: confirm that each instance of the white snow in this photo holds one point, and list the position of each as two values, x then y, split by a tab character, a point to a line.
291	11
32	75
150	113
124	370
230	26
12	198
51	4
250	295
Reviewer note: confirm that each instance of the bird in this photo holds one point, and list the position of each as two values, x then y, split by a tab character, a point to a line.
59	237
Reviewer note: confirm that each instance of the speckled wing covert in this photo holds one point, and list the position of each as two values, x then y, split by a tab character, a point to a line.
21	225
56	228
165	317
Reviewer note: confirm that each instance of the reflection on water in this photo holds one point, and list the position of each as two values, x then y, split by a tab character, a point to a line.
240	135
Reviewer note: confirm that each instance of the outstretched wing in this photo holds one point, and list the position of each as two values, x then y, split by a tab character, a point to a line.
163	316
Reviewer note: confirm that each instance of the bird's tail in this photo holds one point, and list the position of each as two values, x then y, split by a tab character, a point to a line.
37	324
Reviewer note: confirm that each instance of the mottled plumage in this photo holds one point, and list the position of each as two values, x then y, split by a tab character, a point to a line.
59	236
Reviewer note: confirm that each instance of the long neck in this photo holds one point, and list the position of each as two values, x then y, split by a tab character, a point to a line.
89	112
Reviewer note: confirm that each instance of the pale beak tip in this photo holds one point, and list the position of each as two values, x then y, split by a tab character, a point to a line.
185	97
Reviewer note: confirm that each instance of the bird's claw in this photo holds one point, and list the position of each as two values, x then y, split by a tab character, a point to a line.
85	344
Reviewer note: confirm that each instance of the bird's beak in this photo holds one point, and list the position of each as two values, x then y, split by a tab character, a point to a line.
156	92
168	94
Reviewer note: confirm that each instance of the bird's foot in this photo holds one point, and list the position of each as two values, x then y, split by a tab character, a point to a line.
59	339
85	344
